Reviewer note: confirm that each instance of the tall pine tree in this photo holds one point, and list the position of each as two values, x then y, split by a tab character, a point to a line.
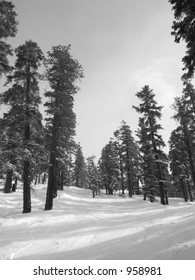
23	97
151	113
63	73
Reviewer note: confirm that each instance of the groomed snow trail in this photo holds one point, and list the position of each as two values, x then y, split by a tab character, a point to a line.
104	227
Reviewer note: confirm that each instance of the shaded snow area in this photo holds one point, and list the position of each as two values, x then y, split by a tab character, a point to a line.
104	227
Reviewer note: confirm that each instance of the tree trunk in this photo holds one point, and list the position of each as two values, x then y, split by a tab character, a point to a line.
26	166
14	186
51	187
8	182
44	178
129	183
190	150
128	163
122	179
39	178
183	187
36	178
51	183
16	182
62	179
106	186
110	191
162	196
58	178
184	190
189	190
161	184
166	197
26	188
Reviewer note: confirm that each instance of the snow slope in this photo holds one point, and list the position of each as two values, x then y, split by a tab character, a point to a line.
104	227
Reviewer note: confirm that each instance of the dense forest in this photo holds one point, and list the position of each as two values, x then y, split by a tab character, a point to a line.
36	150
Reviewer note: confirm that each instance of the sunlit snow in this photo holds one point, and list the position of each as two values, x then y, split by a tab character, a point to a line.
104	227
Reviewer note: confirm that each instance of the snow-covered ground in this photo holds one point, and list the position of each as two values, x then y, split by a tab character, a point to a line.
104	227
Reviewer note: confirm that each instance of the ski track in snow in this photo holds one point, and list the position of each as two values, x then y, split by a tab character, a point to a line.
104	227
21	249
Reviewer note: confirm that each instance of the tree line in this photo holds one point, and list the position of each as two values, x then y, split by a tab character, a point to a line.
141	166
32	149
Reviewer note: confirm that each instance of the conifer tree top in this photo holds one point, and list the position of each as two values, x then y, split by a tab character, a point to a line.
8	23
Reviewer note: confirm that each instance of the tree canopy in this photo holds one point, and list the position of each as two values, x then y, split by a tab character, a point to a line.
8	28
184	29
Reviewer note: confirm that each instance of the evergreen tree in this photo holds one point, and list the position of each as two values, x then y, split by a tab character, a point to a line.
68	171
93	175
129	156
118	147
39	153
149	172
8	28
189	94
62	73
23	98
66	147
109	167
184	29
185	116
179	164
80	172
151	113
12	133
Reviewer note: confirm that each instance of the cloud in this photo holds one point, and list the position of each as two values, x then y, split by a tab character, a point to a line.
159	76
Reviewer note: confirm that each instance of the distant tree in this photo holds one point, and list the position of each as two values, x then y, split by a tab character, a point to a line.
80	171
68	171
63	72
151	113
8	28
109	167
184	29
93	175
128	151
118	147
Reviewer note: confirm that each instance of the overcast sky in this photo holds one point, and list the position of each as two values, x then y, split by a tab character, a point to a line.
122	46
